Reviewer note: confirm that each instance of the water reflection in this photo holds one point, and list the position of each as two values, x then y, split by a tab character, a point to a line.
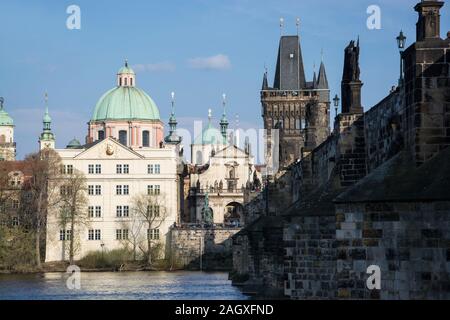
121	285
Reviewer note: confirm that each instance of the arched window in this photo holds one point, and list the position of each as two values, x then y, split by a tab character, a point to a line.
145	138
123	137
120	82
126	82
199	157
101	134
131	81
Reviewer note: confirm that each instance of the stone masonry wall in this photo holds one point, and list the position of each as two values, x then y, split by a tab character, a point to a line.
213	244
409	241
310	257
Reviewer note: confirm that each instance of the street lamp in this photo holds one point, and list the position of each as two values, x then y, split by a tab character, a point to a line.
401	41
336	103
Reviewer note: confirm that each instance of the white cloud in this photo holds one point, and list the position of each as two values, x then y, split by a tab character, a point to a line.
217	62
164	66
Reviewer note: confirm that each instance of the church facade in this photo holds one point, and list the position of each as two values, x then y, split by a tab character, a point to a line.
124	156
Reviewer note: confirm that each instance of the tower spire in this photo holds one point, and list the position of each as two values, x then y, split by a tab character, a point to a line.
172	138
47	138
224	121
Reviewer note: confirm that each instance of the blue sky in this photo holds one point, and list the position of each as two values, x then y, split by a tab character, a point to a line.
197	48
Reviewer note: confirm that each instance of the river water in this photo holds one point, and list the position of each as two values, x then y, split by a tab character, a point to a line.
121	285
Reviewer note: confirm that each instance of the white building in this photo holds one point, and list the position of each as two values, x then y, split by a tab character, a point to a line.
219	176
124	156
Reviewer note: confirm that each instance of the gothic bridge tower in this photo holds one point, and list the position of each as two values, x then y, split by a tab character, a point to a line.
298	108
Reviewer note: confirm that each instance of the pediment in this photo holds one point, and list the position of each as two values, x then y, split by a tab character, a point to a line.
108	149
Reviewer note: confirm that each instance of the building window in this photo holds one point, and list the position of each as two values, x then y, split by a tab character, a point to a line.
91	211
153	234
15	221
126	211
145	138
98	211
98	190
101	135
15	204
153	210
150	169
126	82
154	189
122	190
65	235
121	234
119	211
123	137
91	169
90	190
297	124
91	234
67	169
125	169
98	169
157	169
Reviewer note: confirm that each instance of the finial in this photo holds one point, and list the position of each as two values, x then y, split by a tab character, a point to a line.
281	25
172	95
126	62
46	98
209	114
321	55
1	102
297	23
224	102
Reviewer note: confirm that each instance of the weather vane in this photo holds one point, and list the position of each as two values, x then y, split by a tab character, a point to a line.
46	98
297	23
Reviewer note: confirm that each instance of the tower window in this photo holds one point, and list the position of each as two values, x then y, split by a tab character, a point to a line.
123	137
101	135
126	82
131	81
145	138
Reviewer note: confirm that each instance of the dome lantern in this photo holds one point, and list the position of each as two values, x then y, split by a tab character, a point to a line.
126	76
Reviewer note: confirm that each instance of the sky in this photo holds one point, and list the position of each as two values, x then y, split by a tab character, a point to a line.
197	48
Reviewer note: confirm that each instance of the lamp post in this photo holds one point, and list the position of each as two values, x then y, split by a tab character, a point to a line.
336	103
401	41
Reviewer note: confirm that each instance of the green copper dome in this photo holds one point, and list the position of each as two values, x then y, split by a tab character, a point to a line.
5	119
125	103
125	70
74	144
210	135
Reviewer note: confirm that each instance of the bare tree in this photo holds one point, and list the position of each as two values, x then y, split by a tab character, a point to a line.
153	213
134	224
72	206
44	167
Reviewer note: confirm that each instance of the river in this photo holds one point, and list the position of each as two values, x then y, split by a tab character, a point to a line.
181	285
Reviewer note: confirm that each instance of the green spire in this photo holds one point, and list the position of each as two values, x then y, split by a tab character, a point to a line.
172	138
47	133
224	121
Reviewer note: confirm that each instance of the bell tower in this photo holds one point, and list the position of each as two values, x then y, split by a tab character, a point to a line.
7	144
47	138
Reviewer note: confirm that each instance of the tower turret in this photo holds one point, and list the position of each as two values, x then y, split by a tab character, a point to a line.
7	144
224	121
172	138
47	138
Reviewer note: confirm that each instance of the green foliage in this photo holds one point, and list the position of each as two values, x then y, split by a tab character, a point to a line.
17	249
113	259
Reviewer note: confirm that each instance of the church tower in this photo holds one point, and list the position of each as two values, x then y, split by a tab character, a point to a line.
47	138
297	108
7	144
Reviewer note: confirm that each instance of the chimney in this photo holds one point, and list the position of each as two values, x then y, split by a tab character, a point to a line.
428	25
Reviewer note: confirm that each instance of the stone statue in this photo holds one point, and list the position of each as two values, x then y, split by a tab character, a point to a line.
207	212
351	62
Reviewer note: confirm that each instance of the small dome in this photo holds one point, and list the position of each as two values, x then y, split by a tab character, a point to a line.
5	119
126	69
74	144
210	135
125	103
